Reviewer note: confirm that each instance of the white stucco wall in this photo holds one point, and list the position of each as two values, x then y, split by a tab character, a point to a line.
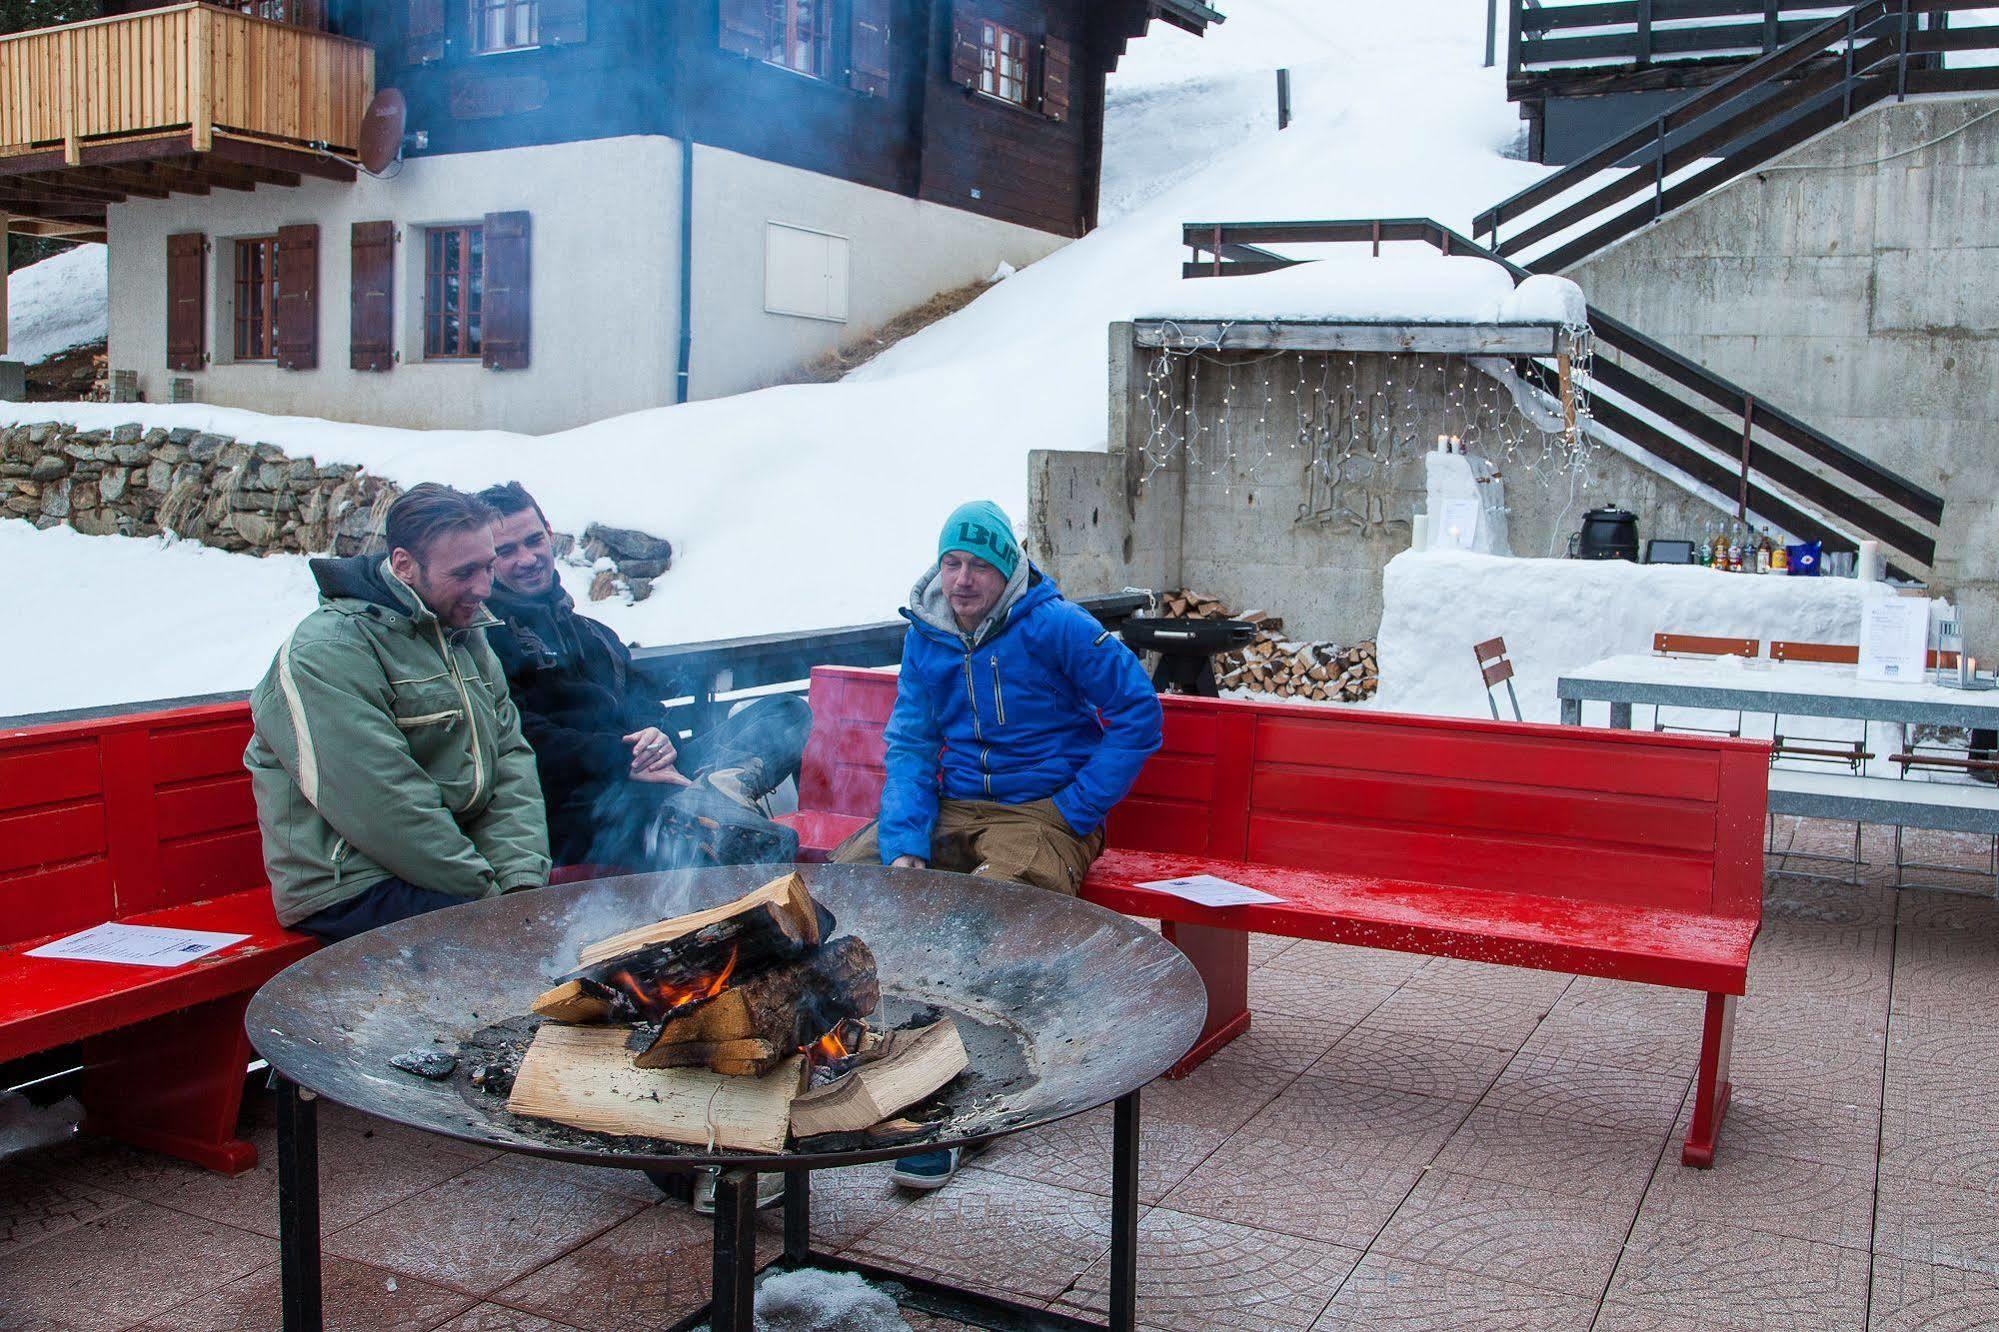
604	288
605	277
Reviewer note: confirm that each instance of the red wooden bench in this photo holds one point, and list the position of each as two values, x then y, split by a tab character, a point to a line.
144	818
1597	853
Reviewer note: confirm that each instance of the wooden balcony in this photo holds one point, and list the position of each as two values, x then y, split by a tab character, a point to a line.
188	98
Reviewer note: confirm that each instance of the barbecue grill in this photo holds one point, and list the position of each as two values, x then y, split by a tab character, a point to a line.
1066	1007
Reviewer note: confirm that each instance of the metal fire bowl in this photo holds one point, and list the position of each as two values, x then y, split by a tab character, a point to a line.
1075	1005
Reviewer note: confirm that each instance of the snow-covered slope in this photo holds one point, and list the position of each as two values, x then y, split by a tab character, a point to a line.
817	505
57	304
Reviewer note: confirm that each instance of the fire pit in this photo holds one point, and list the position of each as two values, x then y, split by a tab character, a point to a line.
1063	1006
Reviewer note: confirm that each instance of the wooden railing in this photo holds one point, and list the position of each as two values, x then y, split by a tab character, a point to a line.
1643	32
197	68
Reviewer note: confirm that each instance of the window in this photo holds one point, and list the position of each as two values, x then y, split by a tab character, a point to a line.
298	13
257	298
1002	63
801	36
505	25
453	289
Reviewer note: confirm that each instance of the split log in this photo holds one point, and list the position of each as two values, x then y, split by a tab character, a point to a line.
584	1077
660	970
910	1066
785	1008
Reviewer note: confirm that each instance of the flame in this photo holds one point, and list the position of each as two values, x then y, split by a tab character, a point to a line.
664	998
829	1047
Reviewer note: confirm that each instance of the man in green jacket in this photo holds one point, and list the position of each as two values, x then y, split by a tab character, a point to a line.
388	765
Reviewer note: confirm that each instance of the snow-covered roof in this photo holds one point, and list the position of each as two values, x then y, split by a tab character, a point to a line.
1417	289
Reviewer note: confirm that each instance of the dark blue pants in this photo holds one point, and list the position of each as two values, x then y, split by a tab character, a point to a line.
382	904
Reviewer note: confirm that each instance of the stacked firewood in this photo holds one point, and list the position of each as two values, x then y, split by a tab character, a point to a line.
1318	671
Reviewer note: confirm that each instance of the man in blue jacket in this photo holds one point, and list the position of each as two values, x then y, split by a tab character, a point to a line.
1019	722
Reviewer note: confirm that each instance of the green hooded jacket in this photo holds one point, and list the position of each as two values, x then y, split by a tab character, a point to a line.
387	744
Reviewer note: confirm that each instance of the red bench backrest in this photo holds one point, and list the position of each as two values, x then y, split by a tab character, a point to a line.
1629	817
106	818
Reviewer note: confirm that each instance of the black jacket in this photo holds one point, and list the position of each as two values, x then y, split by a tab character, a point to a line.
578	696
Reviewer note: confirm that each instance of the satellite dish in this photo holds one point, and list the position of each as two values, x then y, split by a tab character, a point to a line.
382	131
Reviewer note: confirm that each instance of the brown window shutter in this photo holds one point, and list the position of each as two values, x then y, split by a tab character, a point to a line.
1055	62
298	297
964	46
423	31
187	340
503	301
746	28
869	65
562	22
371	341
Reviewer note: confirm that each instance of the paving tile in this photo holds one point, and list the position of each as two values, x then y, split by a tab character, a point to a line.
1373	966
1487	980
1796	1045
1859	939
1452	1070
499	1318
1923	1222
1305	994
124	1267
1790	898
1939	1149
1283	1041
1265	948
991	1232
1852	980
1196	1273
1626	1004
1453	1016
1624	1099
1578	1039
1219	1094
1951	912
633	1184
1807	1128
1387	1126
1553	1155
1325	1190
1076	1154
1508	1232
846	1204
357	1298
1678	1274
646	1272
34	1206
479	1230
1391	1293
1953	992
1779	1195
1916	1297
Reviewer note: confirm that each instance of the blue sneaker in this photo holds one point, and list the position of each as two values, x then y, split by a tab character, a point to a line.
930	1170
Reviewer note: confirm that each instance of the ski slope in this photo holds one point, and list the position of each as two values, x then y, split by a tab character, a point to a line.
59	303
811	506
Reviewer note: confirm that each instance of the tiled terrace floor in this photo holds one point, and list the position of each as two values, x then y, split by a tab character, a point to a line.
1399	1143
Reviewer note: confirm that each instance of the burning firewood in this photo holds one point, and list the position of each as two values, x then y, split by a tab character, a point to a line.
657	971
786	1008
905	1068
584	1077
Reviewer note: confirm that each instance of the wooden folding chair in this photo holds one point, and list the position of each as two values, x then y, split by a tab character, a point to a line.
1497	668
1700	645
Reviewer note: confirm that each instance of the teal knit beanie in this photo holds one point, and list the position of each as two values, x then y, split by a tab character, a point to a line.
981	528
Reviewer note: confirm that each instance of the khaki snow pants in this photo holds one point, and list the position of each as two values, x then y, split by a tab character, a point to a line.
1029	844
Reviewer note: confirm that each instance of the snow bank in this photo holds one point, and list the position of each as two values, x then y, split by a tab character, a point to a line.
1419	288
812	1301
59	303
1559	615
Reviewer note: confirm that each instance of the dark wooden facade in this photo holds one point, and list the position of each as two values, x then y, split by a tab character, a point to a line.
667	67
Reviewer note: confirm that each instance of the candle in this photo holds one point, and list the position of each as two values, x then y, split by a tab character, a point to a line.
1967	668
1443	443
1868	565
1419	532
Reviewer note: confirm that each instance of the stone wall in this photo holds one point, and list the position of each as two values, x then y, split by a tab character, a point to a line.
130	481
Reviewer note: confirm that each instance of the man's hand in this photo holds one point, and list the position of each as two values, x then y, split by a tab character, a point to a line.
652	751
910	862
660	777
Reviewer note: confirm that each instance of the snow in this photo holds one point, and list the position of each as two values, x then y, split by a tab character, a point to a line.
59	303
813	1301
813	506
26	1127
1560	615
1419	288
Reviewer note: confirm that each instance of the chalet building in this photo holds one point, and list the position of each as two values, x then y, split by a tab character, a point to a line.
600	206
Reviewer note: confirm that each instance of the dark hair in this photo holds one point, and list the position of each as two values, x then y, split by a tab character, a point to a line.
510	499
426	512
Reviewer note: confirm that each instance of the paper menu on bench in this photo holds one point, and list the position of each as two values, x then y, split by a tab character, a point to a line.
137	945
1207	890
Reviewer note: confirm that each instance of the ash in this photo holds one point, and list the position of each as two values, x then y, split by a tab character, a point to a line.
814	1301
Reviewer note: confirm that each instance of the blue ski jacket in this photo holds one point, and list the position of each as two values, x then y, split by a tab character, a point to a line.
1041	702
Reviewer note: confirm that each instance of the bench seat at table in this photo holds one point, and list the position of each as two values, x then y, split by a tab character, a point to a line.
1847	797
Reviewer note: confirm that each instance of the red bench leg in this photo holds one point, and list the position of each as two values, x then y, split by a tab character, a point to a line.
174	1085
1222	958
1711	1092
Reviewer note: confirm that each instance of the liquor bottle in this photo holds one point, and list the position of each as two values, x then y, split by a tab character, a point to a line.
1735	551
1780	557
1721	547
1763	553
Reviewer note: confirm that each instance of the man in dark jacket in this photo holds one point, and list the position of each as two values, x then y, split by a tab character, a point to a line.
606	759
1019	722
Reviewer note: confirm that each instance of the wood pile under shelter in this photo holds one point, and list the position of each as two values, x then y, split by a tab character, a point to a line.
1320	672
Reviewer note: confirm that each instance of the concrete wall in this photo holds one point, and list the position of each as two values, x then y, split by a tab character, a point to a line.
1099	523
605	277
1855	283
